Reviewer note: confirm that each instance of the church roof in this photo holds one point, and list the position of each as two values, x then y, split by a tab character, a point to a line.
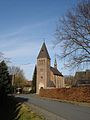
43	52
55	71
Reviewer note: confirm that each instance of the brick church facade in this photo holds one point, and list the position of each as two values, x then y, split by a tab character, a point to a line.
47	76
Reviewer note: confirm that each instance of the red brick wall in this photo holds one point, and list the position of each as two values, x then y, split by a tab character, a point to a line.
80	94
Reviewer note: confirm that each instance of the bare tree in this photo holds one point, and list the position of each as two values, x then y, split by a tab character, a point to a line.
19	79
73	35
2	57
69	80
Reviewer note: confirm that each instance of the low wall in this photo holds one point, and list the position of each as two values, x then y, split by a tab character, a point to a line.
80	94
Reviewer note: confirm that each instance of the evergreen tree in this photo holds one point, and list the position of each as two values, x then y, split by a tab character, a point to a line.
34	80
5	83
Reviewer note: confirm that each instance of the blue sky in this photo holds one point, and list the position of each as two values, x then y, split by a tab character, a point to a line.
24	25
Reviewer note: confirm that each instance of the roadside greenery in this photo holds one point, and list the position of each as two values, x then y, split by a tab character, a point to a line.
34	81
27	114
14	109
5	83
19	79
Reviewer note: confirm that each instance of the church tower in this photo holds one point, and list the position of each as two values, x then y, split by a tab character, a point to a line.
43	68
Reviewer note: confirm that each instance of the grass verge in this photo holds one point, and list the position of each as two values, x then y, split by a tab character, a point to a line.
26	113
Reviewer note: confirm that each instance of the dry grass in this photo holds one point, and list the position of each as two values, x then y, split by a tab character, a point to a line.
26	113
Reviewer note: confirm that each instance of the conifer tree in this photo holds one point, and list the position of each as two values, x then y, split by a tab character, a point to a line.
34	80
5	84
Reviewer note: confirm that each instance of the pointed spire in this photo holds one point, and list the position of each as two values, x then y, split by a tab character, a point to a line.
55	62
43	52
43	40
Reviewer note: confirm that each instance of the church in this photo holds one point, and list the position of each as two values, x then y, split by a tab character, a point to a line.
47	76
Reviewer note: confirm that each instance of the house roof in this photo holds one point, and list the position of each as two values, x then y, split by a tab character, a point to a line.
55	71
43	52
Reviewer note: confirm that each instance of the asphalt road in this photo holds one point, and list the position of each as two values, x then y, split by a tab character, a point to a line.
66	111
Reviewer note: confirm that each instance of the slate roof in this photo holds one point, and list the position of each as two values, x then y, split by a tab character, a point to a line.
55	71
43	52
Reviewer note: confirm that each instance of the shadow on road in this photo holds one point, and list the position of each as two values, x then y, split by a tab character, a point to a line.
10	107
